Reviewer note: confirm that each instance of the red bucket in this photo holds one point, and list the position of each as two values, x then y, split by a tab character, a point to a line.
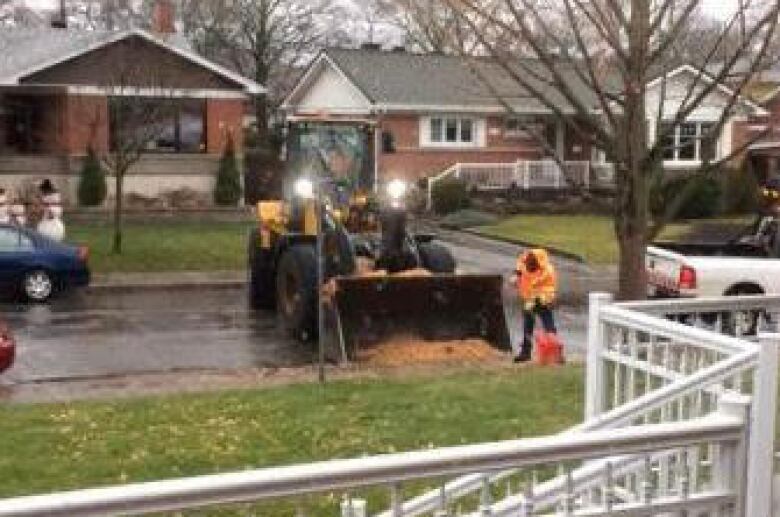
549	349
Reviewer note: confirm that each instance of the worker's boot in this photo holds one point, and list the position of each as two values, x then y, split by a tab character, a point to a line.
526	353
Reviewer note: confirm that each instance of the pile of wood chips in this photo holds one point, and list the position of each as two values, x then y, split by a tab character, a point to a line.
402	351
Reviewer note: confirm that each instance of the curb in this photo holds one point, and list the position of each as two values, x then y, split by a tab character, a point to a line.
107	287
517	242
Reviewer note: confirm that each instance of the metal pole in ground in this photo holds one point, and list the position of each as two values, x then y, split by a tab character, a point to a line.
320	279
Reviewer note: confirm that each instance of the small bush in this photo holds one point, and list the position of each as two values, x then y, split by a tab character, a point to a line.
92	189
227	191
701	197
449	196
740	191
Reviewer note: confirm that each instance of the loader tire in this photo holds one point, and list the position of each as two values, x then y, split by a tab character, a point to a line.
296	291
436	258
262	282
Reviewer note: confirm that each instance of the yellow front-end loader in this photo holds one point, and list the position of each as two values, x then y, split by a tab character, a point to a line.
377	279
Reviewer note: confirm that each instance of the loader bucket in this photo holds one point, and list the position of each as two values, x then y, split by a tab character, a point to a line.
438	307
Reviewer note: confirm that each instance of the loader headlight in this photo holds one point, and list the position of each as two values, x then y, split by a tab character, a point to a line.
397	189
304	188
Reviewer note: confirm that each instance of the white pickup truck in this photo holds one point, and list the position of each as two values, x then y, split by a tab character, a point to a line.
711	269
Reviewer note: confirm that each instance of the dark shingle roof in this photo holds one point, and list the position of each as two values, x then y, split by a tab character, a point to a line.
408	79
24	49
27	50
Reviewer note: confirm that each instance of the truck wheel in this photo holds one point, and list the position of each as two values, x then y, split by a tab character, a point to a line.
436	258
296	291
262	288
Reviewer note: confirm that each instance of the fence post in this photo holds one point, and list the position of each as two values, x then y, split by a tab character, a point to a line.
761	442
594	372
729	461
457	170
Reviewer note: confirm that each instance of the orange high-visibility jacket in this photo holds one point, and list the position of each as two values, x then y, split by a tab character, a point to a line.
541	284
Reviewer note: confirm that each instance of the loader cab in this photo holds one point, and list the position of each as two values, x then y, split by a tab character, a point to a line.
341	149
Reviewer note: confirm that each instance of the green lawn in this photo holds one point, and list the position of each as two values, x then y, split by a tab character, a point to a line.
66	446
589	236
165	246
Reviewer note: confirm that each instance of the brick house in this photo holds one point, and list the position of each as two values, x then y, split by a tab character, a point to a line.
428	112
59	88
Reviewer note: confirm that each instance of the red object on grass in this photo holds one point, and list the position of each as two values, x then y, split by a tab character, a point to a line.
549	349
7	347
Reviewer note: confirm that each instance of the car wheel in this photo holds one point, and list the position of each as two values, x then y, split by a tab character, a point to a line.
38	286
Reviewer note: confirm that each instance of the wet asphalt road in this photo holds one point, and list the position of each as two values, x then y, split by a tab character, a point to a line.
94	334
103	334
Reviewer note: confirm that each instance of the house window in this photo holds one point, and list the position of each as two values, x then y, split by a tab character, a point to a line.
451	132
158	125
686	141
437	126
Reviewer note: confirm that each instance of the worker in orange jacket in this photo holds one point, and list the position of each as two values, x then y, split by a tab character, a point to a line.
537	286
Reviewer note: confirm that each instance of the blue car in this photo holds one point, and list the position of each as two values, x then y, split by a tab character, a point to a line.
37	267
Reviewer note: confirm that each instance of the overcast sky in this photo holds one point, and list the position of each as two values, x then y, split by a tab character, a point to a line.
715	8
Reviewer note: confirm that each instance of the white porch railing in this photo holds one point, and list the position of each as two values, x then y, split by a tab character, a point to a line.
529	175
679	421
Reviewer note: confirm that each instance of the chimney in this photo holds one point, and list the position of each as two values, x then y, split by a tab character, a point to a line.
164	18
60	20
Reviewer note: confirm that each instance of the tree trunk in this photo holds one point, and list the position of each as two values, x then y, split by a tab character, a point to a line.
632	207
261	112
632	278
118	179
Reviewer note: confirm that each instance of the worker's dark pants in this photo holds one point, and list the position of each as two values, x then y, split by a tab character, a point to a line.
545	314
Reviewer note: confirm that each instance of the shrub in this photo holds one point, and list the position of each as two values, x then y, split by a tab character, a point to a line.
740	191
701	197
92	189
449	196
227	191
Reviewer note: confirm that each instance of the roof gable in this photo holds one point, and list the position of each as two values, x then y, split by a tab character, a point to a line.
675	76
28	53
325	86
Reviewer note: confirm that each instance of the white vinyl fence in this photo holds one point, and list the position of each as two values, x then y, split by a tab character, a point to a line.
529	175
680	420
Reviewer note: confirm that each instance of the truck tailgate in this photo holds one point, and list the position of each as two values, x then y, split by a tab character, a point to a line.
663	270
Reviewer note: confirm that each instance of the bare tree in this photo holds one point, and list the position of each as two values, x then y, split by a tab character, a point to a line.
139	118
267	40
593	63
427	26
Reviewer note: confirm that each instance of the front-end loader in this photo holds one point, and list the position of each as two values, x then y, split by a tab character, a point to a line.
378	279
